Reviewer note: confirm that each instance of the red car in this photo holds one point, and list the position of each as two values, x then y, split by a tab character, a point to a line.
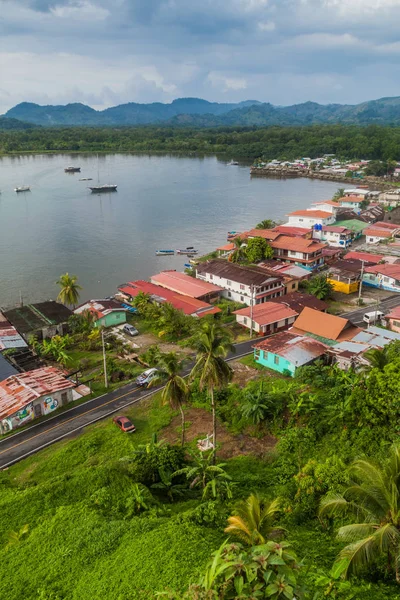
124	424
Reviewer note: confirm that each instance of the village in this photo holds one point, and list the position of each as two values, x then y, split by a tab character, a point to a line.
312	288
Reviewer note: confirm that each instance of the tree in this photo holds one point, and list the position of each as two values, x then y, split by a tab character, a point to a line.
266	224
141	302
257	250
253	522
373	498
239	254
69	293
212	344
377	357
320	287
338	194
54	349
83	322
176	390
257	406
167	486
211	478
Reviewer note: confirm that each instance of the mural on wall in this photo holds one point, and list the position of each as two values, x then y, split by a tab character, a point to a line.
49	404
24	415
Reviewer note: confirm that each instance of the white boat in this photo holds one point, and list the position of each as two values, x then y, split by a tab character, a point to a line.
22	188
164	252
107	187
232	162
190	251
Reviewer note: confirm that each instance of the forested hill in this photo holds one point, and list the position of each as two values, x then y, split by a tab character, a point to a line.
196	112
9	123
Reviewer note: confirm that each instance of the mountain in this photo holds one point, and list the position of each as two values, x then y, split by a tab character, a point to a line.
196	112
124	114
6	124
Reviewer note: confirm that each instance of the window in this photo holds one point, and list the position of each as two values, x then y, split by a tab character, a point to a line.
301	220
386	279
228	282
286	321
276	359
211	276
242	287
396	323
245	320
293	286
241	299
229	295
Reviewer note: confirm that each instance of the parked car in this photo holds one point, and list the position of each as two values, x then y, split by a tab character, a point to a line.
124	424
130	330
146	377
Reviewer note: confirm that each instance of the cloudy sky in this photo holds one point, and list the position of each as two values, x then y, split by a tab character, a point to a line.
106	52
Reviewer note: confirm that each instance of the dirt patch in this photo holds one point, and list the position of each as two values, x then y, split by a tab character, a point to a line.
199	424
242	374
145	340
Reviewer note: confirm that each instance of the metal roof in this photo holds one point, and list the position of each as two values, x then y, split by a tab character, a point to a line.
246	275
297	349
184	284
6	368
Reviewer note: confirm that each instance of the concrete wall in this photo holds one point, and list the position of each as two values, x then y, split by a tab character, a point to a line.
297	221
274	362
384	283
265	329
344	288
394	325
112	319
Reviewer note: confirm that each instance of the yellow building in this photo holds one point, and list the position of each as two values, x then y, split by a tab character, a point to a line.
345	286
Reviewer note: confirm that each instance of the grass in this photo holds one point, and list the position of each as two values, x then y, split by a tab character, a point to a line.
250	362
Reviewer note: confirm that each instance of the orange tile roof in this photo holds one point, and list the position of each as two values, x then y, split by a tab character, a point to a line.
320	323
351	199
297	244
328	202
313	214
19	390
267	234
293	231
184	284
394	313
389	270
377	232
227	247
267	312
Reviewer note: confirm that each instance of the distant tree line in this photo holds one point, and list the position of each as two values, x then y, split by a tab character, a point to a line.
378	143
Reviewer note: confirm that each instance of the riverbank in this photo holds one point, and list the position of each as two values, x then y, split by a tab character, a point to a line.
375	183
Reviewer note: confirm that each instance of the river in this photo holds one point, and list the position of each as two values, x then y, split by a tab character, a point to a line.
161	202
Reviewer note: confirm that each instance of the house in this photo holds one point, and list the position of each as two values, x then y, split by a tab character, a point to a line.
356	226
268	317
326	205
352	354
392	215
359	192
393	319
324	326
309	218
10	339
345	275
285	352
286	229
189	306
372	214
26	396
331	254
351	201
390	197
381	231
42	320
368	259
186	285
267	234
291	273
336	236
226	249
299	251
107	313
299	300
6	368
383	276
242	283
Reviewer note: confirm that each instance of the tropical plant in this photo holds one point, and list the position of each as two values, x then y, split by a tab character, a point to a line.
83	322
69	293
320	287
257	405
266	224
173	322
167	486
55	349
15	537
253	521
239	254
257	250
338	194
377	357
140	499
373	498
212	344
141	302
212	479
176	390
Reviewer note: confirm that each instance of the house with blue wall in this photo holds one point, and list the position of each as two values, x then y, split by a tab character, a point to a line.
285	352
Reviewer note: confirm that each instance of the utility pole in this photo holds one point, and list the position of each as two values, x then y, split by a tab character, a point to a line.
251	309
360	286
104	360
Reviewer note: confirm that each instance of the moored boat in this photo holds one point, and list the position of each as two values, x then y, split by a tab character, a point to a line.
22	188
86	179
190	251
164	252
72	170
108	187
232	162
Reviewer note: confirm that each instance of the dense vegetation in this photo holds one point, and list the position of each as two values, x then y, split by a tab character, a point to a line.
372	142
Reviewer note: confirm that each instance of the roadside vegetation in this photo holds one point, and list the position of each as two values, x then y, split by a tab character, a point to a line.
299	498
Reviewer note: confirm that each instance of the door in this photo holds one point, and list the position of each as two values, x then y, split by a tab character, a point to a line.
37	410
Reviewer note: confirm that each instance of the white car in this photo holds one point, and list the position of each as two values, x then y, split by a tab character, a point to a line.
130	330
146	377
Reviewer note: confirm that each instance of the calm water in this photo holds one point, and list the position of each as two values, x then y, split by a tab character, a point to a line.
162	202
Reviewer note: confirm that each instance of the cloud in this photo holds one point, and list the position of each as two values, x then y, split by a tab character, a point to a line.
267	26
226	83
81	9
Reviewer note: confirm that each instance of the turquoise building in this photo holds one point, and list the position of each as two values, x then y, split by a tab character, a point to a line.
108	313
285	352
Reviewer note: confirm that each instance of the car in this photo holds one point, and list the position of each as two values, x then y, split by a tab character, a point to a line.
124	424
130	330
146	377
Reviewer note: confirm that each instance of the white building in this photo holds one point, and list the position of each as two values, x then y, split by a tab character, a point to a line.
326	206
309	218
334	235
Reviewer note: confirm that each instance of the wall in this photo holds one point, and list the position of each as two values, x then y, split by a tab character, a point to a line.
393	216
113	318
344	288
373	239
39	407
239	292
267	359
265	329
384	283
297	221
395	325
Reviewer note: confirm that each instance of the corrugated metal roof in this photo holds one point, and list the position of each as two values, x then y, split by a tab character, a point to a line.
184	284
6	369
322	324
297	349
267	313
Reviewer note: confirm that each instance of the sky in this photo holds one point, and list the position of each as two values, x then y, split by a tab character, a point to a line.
108	52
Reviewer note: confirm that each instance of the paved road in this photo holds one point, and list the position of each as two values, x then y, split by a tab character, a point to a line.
356	316
40	435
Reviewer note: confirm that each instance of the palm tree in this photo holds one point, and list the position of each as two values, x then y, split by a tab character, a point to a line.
142	301
211	478
377	358
266	224
239	253
167	486
176	390
320	287
338	194
212	344
253	522
373	498
69	293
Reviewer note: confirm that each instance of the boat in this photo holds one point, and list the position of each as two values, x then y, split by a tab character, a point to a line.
86	179
232	162
164	252
72	170
107	187
22	188
189	251
231	235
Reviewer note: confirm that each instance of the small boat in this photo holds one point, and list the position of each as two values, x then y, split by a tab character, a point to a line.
86	179
22	188
72	170
231	235
108	187
232	162
164	252
189	251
